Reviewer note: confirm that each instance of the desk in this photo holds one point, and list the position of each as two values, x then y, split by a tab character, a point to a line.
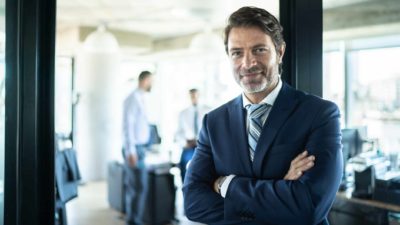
348	210
346	195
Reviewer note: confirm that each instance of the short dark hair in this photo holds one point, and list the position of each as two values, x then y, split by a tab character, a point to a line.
255	17
143	75
193	90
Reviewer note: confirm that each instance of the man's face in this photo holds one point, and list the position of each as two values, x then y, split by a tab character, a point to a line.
147	83
194	97
254	59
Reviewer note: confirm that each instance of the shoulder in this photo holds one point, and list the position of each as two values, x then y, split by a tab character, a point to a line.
223	109
317	107
184	111
131	95
310	100
318	102
132	98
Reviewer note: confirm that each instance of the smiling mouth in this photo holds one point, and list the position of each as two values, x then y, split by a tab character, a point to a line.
250	74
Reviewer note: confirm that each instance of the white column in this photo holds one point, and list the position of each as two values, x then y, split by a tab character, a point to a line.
99	111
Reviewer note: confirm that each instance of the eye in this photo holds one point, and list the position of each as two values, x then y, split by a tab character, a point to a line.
235	54
260	50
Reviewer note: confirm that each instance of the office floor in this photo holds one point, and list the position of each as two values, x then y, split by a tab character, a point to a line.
91	207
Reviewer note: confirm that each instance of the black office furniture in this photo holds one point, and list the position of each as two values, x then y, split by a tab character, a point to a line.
160	201
160	198
154	135
115	186
387	190
364	183
67	179
351	146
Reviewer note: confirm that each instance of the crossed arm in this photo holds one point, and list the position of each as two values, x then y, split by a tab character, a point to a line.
298	198
298	166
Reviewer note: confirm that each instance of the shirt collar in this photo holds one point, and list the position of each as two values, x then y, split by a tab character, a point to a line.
269	99
140	91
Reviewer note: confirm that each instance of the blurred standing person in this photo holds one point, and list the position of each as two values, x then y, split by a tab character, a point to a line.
136	135
188	128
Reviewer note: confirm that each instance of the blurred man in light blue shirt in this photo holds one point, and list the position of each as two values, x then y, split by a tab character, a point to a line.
136	135
189	124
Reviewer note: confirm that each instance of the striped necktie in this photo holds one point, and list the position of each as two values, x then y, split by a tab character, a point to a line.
255	113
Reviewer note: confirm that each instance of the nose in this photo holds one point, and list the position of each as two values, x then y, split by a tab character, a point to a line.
248	61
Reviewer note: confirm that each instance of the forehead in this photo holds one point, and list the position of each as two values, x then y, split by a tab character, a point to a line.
150	77
240	37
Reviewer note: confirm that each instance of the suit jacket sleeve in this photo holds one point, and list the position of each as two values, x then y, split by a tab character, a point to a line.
304	201
201	202
276	201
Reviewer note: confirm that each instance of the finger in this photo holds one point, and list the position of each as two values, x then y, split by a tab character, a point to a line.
290	176
295	175
303	162
300	157
306	167
298	175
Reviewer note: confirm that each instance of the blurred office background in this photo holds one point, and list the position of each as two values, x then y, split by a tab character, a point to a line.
102	45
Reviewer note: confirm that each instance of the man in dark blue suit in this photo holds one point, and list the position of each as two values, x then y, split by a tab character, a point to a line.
248	166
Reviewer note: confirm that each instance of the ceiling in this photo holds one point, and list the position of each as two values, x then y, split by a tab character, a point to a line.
150	26
158	19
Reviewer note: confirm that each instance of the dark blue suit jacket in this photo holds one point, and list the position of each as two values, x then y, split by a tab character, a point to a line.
258	194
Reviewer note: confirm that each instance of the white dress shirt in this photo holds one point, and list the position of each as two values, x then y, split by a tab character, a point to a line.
186	129
270	100
136	129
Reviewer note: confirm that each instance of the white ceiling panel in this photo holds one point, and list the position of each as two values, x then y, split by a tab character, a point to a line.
162	18
155	18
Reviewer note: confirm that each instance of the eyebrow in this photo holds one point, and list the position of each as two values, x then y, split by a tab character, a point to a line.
235	49
255	46
259	45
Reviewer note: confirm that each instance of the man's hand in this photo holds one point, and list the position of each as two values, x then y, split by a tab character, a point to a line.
190	143
299	165
217	184
132	159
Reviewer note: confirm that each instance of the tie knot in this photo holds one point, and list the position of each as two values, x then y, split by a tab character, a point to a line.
256	110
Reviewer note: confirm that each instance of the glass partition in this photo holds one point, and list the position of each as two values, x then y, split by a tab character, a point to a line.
361	72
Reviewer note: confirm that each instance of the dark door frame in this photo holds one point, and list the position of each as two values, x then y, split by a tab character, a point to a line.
29	126
302	29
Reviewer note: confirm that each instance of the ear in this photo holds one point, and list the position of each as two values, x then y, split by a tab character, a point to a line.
281	51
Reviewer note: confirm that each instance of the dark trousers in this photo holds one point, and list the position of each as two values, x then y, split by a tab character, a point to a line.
186	156
135	189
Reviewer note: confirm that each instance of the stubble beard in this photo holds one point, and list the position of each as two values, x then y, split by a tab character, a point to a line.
256	86
251	88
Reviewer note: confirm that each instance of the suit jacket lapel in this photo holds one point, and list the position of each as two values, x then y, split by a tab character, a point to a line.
238	133
281	110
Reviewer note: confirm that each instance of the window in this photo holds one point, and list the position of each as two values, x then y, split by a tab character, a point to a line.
333	77
375	94
365	84
63	95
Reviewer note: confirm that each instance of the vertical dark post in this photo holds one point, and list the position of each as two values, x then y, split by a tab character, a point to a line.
302	24
29	141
